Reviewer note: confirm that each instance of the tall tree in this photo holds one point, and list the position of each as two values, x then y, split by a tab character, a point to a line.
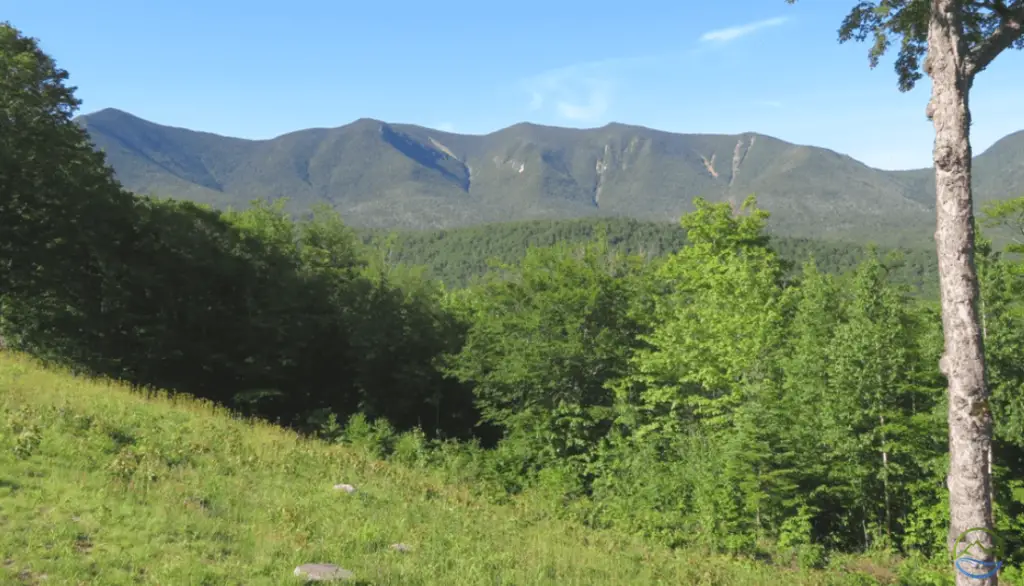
58	199
958	39
717	322
545	336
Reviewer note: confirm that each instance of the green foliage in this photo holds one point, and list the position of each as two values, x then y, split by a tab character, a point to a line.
1002	307
373	437
179	296
410	448
875	399
458	257
987	28
219	304
26	442
716	323
691	385
255	501
58	196
544	339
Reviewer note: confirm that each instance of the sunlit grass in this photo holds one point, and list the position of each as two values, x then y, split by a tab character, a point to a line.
102	486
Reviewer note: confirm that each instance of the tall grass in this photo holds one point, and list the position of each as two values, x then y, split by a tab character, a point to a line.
99	485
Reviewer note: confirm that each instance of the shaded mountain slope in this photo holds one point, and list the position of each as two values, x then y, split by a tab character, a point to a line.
405	176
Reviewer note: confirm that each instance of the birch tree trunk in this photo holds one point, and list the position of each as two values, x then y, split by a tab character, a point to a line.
963	360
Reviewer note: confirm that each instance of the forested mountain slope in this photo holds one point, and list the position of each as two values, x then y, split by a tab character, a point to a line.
379	174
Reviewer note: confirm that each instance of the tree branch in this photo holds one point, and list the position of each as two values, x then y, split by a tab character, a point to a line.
1009	30
999	7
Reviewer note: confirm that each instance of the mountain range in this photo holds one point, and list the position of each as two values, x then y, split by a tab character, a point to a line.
383	175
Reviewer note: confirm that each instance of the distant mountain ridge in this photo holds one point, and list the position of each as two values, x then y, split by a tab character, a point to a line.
379	174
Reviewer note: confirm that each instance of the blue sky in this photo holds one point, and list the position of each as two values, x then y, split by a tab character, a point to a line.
258	69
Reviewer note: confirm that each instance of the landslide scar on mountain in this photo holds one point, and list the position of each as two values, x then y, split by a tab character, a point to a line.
509	162
601	167
739	154
437	145
710	165
442	161
632	151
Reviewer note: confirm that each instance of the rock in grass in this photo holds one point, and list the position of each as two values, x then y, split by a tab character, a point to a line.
323	572
401	547
345	487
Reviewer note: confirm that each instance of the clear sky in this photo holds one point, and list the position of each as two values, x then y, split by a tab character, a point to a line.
258	69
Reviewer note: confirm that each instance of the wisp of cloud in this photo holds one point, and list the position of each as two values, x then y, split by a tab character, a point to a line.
732	33
580	92
583	92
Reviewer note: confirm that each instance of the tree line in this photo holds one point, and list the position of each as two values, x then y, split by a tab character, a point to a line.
459	256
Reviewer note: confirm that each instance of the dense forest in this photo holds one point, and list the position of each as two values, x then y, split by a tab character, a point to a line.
458	256
706	385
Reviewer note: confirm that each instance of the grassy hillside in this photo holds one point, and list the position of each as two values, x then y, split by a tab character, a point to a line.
102	486
457	256
576	419
403	176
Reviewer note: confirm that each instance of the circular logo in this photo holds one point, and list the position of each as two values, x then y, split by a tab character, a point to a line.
970	556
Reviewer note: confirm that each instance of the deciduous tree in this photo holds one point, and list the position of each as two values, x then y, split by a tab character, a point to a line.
957	40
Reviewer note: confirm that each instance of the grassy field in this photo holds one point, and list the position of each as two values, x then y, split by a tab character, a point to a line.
99	485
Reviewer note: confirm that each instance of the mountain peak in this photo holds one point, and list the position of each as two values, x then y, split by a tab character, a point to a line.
108	114
365	122
1013	142
405	176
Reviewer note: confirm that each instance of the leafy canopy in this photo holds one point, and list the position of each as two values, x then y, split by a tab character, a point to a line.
988	27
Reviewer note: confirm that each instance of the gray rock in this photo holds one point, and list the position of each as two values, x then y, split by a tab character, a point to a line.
401	547
323	572
345	487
